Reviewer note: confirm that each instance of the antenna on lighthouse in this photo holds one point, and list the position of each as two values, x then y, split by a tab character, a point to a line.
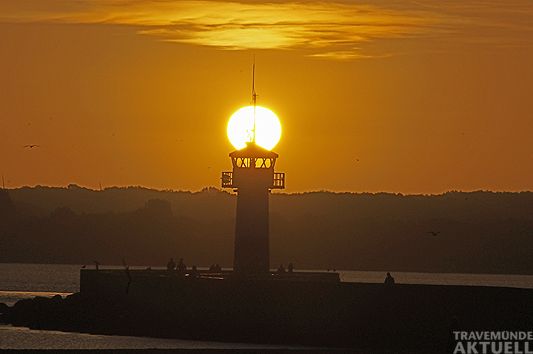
254	99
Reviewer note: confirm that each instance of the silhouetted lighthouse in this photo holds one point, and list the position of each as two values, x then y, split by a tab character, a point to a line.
253	177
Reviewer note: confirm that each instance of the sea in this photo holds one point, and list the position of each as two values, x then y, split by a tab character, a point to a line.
20	281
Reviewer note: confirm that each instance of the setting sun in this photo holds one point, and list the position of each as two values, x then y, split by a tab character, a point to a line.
241	125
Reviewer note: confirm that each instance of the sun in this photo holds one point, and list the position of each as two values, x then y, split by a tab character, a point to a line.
241	126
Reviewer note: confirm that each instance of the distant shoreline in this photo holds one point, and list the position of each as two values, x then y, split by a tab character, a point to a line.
207	188
455	233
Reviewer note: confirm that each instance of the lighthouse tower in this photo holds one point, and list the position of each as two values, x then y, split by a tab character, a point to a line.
253	177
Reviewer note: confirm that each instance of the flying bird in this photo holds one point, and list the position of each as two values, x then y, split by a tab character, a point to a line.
31	146
434	233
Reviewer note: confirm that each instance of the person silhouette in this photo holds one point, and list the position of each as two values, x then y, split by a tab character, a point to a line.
389	280
182	268
171	265
281	269
194	272
290	267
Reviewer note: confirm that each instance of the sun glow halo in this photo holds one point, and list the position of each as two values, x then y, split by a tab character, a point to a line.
267	127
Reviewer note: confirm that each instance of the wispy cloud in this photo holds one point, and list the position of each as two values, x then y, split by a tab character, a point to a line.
333	30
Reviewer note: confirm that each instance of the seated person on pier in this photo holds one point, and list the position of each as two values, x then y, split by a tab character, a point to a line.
389	280
171	265
281	269
215	268
194	272
182	268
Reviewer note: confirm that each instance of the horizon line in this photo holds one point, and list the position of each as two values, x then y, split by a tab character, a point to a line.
220	190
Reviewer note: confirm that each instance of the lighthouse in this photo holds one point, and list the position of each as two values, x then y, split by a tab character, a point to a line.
253	177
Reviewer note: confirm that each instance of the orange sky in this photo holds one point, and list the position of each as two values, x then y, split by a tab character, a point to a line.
397	96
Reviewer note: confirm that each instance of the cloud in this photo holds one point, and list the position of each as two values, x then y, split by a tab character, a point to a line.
334	30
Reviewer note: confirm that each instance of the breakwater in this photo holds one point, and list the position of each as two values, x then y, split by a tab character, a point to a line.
301	309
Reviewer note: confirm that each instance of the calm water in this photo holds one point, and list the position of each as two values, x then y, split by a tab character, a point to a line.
18	281
24	338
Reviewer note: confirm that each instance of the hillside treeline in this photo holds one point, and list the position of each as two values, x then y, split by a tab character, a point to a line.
481	232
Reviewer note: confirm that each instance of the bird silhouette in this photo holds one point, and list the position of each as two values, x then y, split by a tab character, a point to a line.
31	146
434	233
